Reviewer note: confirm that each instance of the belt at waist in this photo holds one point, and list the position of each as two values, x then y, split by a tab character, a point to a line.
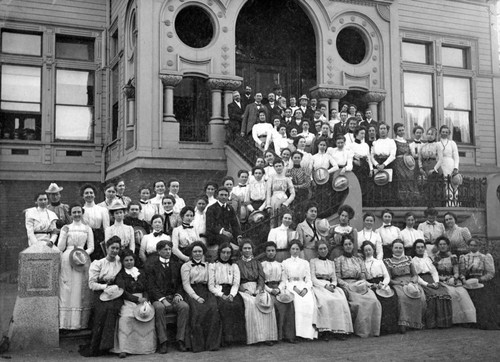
272	284
284	249
424	273
296	279
201	283
225	285
43	232
428	158
253	200
263	135
322	277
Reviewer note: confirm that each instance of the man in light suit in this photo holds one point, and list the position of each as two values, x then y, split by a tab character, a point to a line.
251	114
235	111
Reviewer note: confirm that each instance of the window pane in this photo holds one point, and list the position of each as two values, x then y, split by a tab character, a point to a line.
18	43
415	53
453	57
417	117
23	107
75	87
459	122
74	123
456	93
74	48
20	83
418	89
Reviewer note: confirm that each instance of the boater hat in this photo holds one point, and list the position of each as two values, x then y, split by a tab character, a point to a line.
144	312
53	188
116	205
321	176
385	291
111	293
285	297
359	287
323	227
256	216
457	179
265	303
78	259
243	213
381	178
473	283
412	290
303	96
340	183
409	162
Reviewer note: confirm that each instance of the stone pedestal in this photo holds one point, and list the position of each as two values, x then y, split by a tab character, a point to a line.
36	313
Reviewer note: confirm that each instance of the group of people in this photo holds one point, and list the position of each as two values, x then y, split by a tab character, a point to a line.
344	141
153	262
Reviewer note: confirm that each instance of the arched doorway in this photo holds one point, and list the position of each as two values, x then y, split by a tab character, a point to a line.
275	44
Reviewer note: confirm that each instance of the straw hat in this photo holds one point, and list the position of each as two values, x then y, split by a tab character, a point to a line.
321	176
412	290
117	205
285	297
340	183
53	188
144	312
457	179
409	162
473	283
111	293
265	303
256	217
359	287
381	178
78	259
243	213
303	96
385	291
323	227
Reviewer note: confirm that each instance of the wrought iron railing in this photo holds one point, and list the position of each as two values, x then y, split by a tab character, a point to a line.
245	147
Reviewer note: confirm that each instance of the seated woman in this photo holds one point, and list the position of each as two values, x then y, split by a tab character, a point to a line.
260	327
184	235
378	276
388	232
149	241
448	270
458	236
351	277
275	285
476	265
204	321
133	336
409	234
224	282
404	280
346	213
307	232
438	313
281	236
362	165
298	281
368	234
332	308
107	300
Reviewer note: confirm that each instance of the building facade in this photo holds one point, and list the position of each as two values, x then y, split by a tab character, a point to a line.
138	89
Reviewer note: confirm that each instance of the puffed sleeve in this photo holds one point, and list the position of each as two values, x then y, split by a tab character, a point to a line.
315	281
236	280
186	280
90	241
94	271
489	268
63	238
30	228
212	287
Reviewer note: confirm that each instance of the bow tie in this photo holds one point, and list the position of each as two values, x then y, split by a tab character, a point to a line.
185	226
168	214
342	124
387	226
158	233
418	142
143	202
322	258
198	264
357	141
242	185
166	264
431	223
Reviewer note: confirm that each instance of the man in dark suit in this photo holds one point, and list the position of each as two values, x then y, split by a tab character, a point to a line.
368	121
222	224
323	136
272	108
235	112
165	290
247	97
287	120
251	114
303	101
341	128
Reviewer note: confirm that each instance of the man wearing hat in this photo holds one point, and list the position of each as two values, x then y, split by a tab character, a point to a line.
56	206
235	112
303	101
251	114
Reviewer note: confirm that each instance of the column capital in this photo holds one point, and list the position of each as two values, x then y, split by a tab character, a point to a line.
375	96
228	84
171	80
327	91
129	89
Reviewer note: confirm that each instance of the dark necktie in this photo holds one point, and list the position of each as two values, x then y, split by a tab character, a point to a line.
387	226
198	264
159	233
322	258
186	226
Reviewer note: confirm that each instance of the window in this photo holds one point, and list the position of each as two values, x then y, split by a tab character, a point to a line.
433	94
114	101
21	43
191	109
75	48
74	105
351	45
194	27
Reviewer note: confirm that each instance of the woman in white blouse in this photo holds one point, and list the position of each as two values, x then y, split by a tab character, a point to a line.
124	232
262	132
307	160
341	155
200	218
97	217
388	232
368	234
323	159
308	136
409	234
149	241
361	163
281	236
298	280
383	153
184	235
448	162
41	223
352	123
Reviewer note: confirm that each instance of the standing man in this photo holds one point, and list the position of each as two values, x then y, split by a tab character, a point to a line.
222	224
235	111
166	292
303	101
55	205
368	121
247	97
251	114
272	108
341	128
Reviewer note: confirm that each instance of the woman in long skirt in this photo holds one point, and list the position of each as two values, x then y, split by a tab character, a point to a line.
438	312
133	336
74	293
260	327
205	326
298	280
224	282
333	314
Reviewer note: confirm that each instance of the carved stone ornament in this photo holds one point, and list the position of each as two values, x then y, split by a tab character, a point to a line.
129	89
384	11
223	84
375	97
330	93
170	79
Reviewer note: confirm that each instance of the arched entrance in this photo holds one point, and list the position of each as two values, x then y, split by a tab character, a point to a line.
275	44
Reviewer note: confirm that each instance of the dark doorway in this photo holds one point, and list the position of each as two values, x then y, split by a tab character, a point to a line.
357	98
275	44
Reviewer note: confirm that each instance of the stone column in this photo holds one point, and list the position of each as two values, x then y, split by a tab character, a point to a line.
169	81
129	91
373	98
328	95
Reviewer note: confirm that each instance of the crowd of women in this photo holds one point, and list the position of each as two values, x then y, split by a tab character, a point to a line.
317	281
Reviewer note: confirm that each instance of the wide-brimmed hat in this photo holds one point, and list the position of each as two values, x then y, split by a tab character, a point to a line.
117	205
323	227
265	303
473	283
385	291
139	233
340	183
321	176
144	312
243	213
359	287
303	96
382	178
53	188
412	290
409	162
78	259
457	179
285	297
111	293
256	216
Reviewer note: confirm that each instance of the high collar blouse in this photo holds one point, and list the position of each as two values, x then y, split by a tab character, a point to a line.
223	273
324	160
193	273
281	236
373	237
273	272
124	232
102	272
424	265
95	216
409	235
431	231
343	157
389	234
323	272
375	268
256	190
297	270
385	147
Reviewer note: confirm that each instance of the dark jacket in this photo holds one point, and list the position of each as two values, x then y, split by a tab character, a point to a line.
235	112
218	218
131	286
162	281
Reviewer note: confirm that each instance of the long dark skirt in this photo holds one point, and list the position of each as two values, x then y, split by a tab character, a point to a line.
104	323
486	307
439	313
205	326
232	316
390	311
362	172
98	253
405	183
285	317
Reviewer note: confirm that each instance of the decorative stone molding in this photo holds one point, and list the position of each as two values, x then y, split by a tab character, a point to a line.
129	89
384	11
375	96
328	92
224	83
170	79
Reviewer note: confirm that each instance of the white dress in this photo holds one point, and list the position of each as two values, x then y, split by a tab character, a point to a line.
124	232
74	293
39	225
374	237
298	274
448	157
